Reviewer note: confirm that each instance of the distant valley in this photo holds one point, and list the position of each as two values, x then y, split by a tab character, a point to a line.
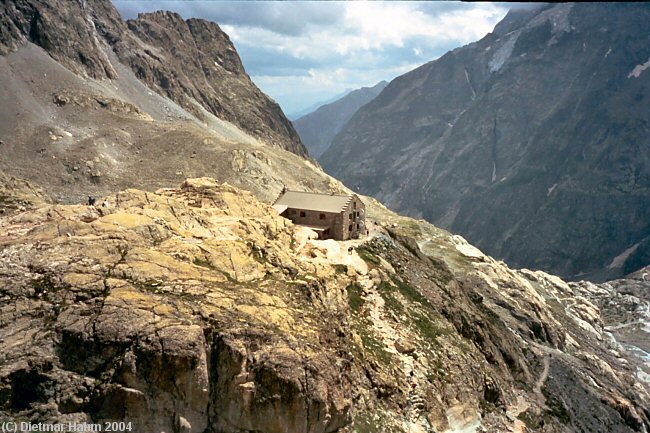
318	128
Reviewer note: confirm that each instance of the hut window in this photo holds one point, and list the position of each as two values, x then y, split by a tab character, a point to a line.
350	216
350	228
321	216
302	214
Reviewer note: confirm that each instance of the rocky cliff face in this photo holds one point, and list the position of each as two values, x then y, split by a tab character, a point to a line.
318	128
528	142
625	307
199	309
191	62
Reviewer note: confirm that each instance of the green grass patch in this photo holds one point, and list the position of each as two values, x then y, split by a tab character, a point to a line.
373	345
418	313
411	293
355	301
410	227
427	328
367	255
387	292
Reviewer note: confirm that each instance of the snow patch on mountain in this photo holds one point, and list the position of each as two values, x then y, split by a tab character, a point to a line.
503	53
638	69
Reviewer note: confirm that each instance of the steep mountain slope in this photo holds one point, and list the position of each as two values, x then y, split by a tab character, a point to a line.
192	62
318	129
199	309
531	142
625	307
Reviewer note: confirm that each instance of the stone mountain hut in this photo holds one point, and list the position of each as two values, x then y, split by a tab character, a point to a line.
338	217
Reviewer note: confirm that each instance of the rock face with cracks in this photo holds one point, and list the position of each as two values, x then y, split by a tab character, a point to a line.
199	309
170	310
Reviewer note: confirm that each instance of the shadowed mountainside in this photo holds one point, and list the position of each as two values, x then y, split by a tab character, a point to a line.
531	142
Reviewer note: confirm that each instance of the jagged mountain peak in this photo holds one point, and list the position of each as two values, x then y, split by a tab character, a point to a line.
192	62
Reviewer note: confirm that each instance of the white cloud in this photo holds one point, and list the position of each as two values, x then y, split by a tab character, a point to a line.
372	41
299	91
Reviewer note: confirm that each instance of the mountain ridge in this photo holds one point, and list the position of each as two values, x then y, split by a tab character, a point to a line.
86	128
313	107
207	70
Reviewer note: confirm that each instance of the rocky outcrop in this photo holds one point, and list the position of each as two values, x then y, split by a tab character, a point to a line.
63	29
17	195
318	128
199	309
155	310
192	62
625	314
526	142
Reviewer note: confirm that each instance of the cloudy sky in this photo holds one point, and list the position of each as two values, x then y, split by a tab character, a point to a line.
302	53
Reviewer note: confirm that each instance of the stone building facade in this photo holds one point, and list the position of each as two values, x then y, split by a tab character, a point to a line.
338	217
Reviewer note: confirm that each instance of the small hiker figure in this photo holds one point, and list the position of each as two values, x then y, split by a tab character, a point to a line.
350	249
105	203
413	382
91	201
